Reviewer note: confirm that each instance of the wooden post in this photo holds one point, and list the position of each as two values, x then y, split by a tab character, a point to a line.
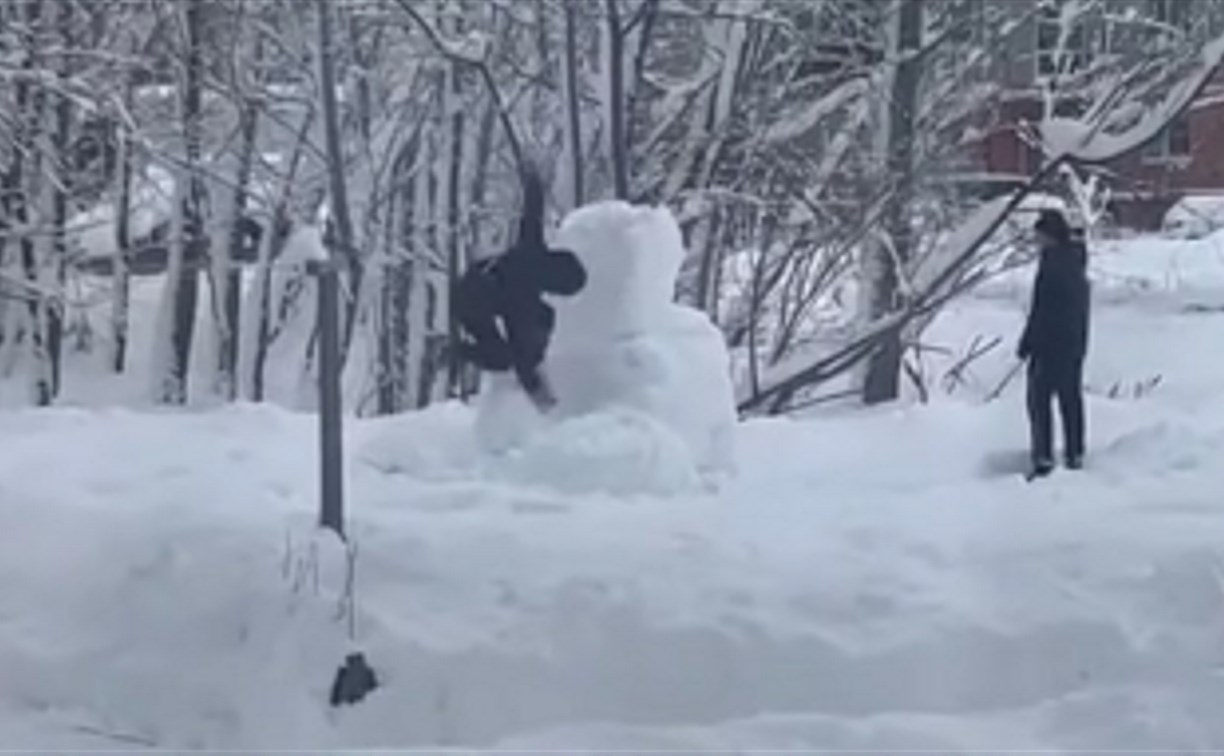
331	448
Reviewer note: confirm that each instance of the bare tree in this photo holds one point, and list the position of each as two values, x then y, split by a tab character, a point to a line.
226	273
573	108
618	144
455	262
25	181
190	243
121	275
891	253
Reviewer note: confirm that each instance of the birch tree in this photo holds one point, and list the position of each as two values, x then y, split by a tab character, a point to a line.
26	181
189	244
244	73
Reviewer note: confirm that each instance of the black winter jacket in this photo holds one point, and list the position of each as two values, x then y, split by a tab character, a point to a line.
508	290
1057	328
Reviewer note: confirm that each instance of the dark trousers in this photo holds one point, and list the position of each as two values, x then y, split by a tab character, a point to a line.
1064	381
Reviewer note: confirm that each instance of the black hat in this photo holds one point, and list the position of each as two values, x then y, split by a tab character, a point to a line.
1052	223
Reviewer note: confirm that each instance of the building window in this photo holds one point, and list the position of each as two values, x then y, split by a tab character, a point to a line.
1174	13
1173	142
1074	53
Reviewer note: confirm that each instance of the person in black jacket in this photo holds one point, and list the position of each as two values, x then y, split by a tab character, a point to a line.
1055	341
505	324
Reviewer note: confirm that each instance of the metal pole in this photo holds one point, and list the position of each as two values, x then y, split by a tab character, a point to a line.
331	450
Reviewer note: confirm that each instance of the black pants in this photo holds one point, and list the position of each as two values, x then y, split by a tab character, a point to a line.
1064	380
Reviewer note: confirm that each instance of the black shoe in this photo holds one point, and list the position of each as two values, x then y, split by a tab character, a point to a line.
1075	463
542	397
1041	469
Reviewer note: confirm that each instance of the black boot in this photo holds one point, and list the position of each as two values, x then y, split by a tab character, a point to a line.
1041	468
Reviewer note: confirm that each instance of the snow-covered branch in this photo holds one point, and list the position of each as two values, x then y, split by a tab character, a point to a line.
463	53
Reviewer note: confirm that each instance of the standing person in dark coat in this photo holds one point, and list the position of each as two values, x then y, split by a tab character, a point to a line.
1055	341
504	321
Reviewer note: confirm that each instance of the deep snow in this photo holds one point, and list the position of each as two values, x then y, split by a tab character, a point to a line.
868	580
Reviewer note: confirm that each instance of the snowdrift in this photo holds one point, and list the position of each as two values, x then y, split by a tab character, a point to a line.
865	582
860	585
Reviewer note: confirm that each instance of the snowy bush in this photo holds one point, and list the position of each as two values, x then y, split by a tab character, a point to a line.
1194	217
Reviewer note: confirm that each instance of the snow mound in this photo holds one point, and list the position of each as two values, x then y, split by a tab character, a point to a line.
857	586
435	444
623	343
620	452
505	417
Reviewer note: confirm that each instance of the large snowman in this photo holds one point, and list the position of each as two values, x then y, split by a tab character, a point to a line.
640	381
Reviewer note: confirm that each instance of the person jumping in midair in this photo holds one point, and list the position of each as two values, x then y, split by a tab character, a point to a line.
505	324
1055	342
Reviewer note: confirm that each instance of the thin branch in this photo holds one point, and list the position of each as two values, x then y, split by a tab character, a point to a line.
482	67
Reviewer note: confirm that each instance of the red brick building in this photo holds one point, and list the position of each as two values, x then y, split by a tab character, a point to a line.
1186	160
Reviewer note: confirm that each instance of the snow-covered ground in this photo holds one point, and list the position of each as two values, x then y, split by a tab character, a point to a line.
869	580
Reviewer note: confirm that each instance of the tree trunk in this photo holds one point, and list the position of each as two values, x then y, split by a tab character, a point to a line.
480	182
192	244
883	379
454	252
392	395
388	374
62	142
275	237
27	180
573	107
9	189
455	263
345	241
616	72
637	110
414	284
399	297
121	277
227	273
708	247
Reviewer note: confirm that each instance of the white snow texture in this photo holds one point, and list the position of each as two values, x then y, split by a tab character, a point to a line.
877	581
643	384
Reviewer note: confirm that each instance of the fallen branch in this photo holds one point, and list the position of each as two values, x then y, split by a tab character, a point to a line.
955	375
